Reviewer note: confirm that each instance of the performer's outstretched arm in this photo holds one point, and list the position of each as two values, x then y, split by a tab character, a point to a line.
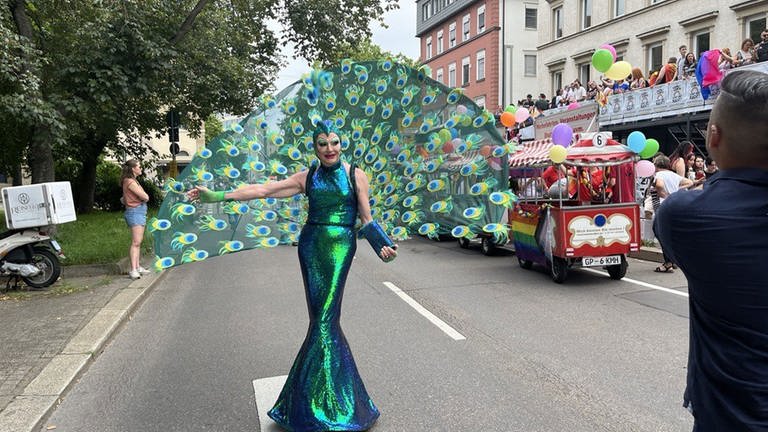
279	189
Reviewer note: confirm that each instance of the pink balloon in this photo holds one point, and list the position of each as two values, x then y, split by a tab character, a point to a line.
573	106
610	48
522	115
644	168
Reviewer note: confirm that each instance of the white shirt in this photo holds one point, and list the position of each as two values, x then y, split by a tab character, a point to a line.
671	181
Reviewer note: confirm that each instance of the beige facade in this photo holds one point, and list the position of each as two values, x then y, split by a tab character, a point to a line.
644	32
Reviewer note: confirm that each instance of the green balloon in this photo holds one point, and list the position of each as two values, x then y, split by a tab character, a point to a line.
650	149
602	60
510	109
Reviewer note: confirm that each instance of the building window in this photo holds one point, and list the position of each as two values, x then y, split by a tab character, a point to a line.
755	25
465	28
701	42
586	14
429	47
557	81
557	22
481	19
481	65
452	75
439	76
655	57
452	35
440	46
435	7
480	101
530	18
584	72
619	7
530	65
465	71
425	11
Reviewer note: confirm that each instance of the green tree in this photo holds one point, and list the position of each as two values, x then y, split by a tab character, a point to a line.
213	128
366	50
120	65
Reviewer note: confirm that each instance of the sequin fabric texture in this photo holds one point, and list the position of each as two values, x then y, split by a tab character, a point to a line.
323	391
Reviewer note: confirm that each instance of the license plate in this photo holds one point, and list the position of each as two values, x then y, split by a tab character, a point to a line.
601	261
55	245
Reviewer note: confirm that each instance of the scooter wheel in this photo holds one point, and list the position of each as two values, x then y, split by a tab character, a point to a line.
49	265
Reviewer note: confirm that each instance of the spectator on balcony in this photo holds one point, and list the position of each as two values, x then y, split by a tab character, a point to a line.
638	80
542	104
744	56
726	61
528	102
683	50
761	50
592	90
579	92
689	66
667	72
556	99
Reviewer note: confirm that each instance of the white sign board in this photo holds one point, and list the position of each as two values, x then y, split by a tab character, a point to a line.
582	119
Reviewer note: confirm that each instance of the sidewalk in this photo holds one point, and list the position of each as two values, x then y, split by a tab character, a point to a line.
50	336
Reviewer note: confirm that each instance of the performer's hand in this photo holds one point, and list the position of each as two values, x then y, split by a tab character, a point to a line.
388	253
194	194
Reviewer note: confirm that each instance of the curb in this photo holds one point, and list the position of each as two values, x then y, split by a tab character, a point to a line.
120	267
26	411
647	253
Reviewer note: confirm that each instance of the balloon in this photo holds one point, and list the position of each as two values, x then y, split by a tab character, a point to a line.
620	70
602	60
562	134
651	147
445	135
510	109
461	109
573	106
610	48
558	153
644	168
522	115
507	119
636	141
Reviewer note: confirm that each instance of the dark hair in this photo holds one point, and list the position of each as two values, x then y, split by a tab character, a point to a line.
127	171
529	96
708	161
672	60
681	47
683	150
747	40
745	88
542	95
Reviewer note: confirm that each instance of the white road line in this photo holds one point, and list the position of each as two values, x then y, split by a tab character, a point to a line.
450	331
641	283
266	391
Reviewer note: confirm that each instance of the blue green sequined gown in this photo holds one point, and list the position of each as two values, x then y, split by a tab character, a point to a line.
324	391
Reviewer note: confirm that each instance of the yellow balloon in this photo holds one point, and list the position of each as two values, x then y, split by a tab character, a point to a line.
558	153
619	70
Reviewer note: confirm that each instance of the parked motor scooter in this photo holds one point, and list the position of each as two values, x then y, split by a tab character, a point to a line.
30	254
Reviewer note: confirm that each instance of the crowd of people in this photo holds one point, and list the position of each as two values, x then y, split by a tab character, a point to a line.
682	67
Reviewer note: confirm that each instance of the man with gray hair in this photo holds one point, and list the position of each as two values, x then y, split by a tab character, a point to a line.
718	236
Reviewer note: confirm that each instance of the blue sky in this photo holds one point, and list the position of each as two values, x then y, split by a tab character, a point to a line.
398	38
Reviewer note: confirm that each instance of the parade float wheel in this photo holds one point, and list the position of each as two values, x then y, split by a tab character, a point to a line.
618	271
464	243
488	246
559	269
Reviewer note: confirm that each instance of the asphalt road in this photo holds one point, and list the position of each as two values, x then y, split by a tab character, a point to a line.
589	355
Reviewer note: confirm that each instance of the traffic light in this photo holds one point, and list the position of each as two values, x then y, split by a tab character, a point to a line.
173	126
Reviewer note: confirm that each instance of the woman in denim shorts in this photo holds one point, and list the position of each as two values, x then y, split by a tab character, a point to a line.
135	200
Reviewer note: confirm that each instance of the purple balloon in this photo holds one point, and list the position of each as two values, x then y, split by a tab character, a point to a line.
610	48
562	134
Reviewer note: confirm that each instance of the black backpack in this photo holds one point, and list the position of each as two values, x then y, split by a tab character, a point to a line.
761	52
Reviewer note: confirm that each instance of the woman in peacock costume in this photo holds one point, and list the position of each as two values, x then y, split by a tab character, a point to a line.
435	164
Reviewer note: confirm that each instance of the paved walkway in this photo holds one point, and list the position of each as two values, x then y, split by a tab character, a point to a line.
48	337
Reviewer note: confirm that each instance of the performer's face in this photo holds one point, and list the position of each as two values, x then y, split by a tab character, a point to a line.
328	148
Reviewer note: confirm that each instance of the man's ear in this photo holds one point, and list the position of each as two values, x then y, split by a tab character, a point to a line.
714	136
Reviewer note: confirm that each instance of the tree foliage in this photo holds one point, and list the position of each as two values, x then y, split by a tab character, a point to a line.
84	77
366	50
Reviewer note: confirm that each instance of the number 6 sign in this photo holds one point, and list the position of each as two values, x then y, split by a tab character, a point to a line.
600	139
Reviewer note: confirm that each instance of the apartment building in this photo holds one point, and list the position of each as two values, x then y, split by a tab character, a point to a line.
644	32
487	47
